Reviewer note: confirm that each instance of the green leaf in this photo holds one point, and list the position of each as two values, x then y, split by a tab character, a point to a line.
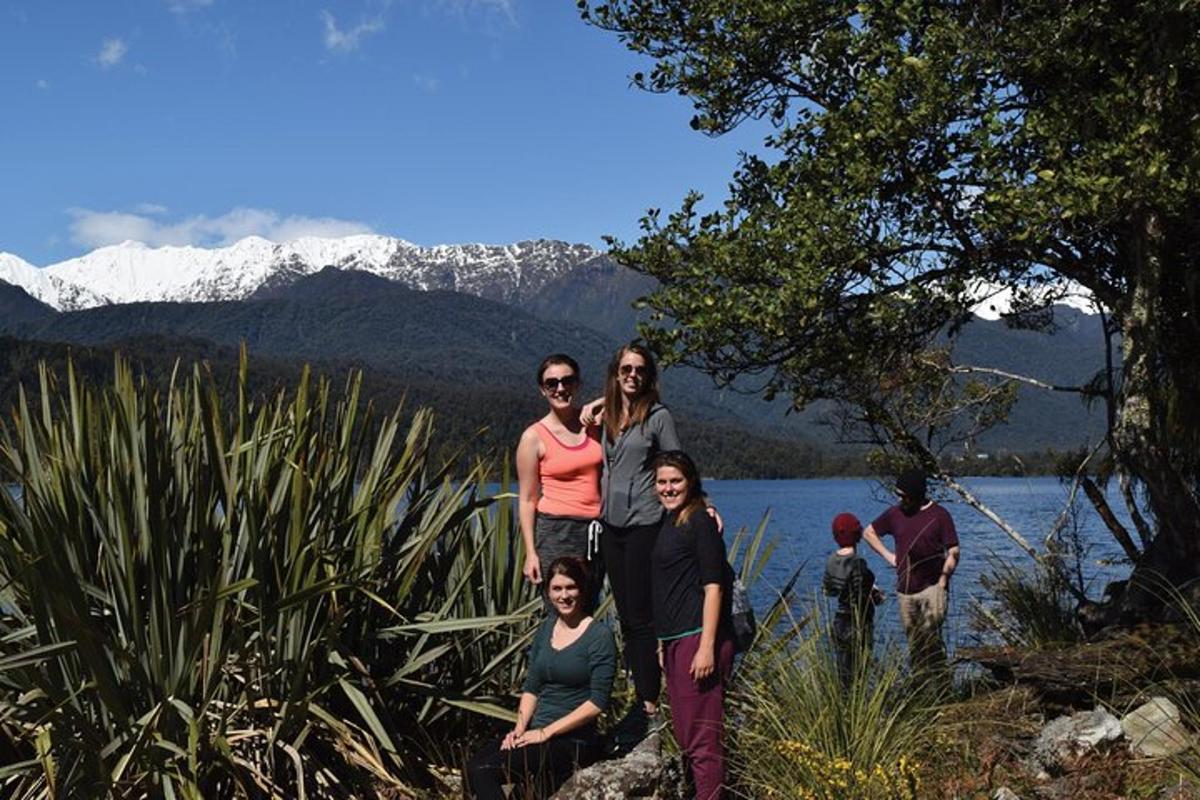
364	709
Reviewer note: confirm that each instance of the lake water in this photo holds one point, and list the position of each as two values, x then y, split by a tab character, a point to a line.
801	512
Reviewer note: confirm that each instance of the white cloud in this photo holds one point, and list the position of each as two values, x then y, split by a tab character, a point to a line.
427	83
112	51
347	40
147	224
505	9
291	228
185	6
98	228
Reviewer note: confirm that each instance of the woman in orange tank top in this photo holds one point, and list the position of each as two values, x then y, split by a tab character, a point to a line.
558	469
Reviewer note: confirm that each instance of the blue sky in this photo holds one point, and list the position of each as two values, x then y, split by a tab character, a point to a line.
438	121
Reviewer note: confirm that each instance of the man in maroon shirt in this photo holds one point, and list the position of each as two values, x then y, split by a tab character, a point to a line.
925	558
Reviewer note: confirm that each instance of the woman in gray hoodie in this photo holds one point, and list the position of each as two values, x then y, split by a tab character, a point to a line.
637	427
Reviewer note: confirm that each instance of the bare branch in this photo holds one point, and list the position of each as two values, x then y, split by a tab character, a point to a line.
1110	520
966	369
1065	514
974	502
1139	522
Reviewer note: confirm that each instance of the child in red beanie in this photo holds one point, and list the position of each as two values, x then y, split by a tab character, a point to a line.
850	580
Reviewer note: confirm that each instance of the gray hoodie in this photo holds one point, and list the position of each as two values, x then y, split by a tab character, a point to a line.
629	497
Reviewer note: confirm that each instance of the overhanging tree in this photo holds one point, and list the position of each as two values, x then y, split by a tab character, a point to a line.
925	152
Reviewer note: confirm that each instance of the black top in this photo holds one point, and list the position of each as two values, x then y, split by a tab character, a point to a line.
685	559
564	679
850	580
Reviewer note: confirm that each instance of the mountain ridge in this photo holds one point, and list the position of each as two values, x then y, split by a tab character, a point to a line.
134	272
485	313
355	317
522	272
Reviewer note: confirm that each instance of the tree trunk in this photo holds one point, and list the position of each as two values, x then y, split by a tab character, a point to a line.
1145	442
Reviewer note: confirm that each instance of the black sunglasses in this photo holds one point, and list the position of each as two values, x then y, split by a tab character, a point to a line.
635	369
567	382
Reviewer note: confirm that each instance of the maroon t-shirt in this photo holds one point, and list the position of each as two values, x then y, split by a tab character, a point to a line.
921	544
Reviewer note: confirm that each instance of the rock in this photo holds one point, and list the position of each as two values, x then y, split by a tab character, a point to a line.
638	774
1005	793
1066	738
1154	729
675	784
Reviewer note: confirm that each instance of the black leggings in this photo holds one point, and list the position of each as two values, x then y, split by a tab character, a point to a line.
627	558
536	770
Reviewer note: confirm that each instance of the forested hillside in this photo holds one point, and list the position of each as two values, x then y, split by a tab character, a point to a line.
472	359
473	421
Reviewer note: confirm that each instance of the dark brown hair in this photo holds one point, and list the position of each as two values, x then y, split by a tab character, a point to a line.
556	358
640	406
577	570
683	462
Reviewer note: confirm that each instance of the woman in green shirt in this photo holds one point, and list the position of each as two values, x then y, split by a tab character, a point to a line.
571	666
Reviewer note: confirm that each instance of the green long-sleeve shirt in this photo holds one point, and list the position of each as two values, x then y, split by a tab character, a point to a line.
565	679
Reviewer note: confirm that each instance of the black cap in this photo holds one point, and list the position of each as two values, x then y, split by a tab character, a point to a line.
911	483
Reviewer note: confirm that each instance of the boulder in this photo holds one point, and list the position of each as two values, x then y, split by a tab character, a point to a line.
1066	738
1154	729
641	773
1005	793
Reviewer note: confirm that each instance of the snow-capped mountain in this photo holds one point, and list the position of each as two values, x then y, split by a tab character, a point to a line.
44	285
515	273
133	272
996	300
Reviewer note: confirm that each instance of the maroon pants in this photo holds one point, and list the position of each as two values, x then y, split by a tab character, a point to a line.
698	711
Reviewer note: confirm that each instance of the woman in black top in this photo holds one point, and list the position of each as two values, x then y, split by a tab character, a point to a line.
571	666
636	428
690	583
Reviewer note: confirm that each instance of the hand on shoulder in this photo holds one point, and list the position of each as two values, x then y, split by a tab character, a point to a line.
592	414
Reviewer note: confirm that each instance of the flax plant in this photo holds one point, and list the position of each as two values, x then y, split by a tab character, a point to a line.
278	597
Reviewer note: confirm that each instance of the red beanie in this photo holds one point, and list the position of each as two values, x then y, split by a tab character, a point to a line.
847	530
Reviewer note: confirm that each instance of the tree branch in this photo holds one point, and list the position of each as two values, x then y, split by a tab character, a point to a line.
1110	520
975	503
1080	472
1139	522
968	370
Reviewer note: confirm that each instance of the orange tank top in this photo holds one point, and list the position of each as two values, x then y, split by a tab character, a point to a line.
570	476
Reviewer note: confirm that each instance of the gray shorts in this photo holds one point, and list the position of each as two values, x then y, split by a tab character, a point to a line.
555	536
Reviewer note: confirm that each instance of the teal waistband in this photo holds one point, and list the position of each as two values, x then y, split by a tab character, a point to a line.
680	635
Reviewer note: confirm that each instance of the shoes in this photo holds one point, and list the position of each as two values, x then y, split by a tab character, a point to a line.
635	726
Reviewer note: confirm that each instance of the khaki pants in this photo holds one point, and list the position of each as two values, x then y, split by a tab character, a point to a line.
921	616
